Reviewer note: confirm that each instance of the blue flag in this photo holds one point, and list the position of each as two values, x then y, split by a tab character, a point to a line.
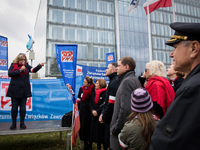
67	57
3	53
110	57
133	5
30	42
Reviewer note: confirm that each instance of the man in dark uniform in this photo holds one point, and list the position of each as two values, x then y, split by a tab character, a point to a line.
107	112
180	127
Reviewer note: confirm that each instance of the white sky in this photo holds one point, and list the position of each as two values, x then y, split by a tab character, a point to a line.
17	20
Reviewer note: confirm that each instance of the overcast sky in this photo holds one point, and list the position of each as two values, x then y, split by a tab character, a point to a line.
17	20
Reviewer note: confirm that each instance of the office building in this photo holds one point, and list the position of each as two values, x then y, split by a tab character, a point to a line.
94	26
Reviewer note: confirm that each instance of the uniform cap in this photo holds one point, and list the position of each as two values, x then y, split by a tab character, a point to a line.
184	32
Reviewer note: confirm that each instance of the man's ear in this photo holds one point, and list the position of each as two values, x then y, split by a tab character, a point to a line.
195	49
127	67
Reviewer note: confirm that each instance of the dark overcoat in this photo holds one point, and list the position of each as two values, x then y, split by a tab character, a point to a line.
97	129
122	106
180	127
19	86
85	116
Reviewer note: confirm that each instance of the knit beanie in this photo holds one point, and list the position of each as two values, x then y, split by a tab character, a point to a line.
141	101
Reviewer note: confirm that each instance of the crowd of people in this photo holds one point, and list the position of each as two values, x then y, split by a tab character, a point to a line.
151	111
137	113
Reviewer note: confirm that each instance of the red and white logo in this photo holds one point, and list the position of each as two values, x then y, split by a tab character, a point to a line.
4	43
5	103
67	56
110	57
3	62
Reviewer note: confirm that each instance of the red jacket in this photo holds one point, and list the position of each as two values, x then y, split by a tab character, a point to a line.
160	91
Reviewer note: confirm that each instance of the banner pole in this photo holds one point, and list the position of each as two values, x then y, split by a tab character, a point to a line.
72	124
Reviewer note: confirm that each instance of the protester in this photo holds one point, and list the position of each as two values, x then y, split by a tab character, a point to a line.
176	77
107	112
159	88
143	80
96	106
19	88
122	109
84	98
136	133
180	128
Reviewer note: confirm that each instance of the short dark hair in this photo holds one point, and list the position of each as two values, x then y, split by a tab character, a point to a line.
128	61
114	64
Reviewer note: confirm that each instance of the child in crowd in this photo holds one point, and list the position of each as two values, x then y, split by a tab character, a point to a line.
136	133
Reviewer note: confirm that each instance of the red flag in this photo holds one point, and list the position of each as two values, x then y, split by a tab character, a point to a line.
76	125
155	4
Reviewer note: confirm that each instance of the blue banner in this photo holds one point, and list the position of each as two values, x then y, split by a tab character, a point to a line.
92	72
67	57
3	53
50	97
110	57
50	100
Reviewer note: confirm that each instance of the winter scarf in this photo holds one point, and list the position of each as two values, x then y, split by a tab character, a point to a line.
17	66
87	91
97	94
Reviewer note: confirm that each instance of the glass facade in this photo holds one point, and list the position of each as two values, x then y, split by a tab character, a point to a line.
133	34
185	11
88	23
91	25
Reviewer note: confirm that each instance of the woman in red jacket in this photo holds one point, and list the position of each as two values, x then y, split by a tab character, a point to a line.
162	93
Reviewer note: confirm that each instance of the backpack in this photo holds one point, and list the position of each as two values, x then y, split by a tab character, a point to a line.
67	119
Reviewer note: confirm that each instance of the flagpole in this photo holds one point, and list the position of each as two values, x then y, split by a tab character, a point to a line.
173	11
117	30
72	124
149	33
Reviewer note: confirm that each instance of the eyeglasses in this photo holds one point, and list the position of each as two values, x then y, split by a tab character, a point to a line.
146	70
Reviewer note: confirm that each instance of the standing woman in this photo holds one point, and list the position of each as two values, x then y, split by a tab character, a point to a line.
84	97
19	89
96	105
159	88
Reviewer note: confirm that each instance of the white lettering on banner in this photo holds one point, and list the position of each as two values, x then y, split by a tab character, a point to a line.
36	117
56	116
5	116
96	73
5	102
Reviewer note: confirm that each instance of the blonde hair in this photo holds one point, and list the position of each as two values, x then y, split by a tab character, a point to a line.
156	68
20	57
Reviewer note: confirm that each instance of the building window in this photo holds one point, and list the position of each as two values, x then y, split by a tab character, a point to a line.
58	3
72	34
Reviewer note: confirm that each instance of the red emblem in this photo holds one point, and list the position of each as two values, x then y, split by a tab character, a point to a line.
110	58
67	56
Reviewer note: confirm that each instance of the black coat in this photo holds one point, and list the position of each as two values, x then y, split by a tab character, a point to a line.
111	91
85	116
177	83
20	86
97	129
180	127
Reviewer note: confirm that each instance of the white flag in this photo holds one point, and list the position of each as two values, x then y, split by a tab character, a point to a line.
133	5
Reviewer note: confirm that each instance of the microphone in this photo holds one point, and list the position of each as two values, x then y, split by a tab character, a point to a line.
23	65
